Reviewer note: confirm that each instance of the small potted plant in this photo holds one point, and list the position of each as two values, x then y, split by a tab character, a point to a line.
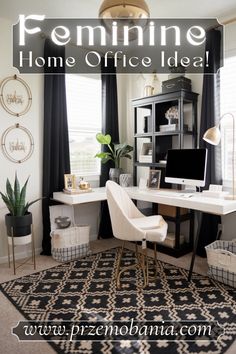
19	220
116	153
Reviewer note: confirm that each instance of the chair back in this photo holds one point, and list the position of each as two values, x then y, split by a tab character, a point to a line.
121	209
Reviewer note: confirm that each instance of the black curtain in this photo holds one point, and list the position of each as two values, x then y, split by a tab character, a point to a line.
56	158
209	117
109	126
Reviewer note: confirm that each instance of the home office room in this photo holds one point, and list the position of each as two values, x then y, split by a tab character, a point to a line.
118	193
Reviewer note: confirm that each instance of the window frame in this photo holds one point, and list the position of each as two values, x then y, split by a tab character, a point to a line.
95	175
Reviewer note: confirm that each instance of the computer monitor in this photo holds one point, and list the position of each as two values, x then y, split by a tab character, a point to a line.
186	166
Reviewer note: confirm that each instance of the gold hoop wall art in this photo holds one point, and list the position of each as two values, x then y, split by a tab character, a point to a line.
15	96
17	143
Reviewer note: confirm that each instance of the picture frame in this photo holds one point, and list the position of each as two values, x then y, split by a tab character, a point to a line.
154	179
70	181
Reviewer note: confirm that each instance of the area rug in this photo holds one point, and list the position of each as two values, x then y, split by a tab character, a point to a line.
84	290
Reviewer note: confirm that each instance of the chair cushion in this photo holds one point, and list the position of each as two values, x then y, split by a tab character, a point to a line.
147	222
155	227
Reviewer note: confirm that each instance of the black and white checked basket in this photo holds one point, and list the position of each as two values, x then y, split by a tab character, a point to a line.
221	258
70	243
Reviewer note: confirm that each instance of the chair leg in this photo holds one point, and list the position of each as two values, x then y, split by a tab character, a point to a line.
118	272
141	263
155	259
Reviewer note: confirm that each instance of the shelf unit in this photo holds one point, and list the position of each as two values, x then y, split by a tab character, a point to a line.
149	114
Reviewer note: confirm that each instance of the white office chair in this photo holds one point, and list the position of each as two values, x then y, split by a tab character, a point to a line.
129	224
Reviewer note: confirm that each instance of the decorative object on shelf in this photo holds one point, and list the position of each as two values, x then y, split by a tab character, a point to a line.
62	222
84	185
125	180
172	115
117	151
213	136
154	179
70	182
17	143
179	83
156	84
148	90
176	71
15	96
146	153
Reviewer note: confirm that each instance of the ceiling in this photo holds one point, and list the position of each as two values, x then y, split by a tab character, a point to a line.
222	9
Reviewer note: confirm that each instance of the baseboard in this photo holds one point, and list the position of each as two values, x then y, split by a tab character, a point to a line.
20	255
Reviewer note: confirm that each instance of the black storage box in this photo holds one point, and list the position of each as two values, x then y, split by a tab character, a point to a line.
176	84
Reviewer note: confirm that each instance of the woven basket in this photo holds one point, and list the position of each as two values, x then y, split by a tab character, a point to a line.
221	258
71	243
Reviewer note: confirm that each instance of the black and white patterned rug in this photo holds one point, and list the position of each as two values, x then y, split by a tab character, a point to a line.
85	290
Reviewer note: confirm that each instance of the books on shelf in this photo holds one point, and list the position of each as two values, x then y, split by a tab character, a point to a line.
77	191
145	158
171	127
146	153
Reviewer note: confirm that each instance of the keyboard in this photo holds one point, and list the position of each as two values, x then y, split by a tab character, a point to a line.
174	194
168	193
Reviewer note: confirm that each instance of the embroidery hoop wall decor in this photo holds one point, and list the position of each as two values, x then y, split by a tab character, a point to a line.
17	143
15	96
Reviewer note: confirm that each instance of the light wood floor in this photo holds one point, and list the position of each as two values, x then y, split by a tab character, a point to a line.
9	315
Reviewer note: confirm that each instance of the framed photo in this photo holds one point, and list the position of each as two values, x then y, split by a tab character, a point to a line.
154	179
70	181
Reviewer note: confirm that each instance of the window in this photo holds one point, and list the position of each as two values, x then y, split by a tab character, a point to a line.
84	122
227	105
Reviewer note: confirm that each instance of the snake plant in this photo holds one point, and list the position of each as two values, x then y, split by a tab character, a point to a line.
116	151
14	198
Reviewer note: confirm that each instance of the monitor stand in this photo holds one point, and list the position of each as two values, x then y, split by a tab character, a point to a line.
190	189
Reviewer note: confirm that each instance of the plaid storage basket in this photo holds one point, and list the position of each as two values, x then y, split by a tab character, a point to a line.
221	259
71	243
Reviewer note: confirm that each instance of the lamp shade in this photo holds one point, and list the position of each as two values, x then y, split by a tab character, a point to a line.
124	9
212	135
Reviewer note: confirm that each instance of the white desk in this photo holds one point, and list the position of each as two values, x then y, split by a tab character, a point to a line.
197	202
97	195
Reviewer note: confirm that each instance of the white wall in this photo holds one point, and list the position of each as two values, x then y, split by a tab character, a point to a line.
32	120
